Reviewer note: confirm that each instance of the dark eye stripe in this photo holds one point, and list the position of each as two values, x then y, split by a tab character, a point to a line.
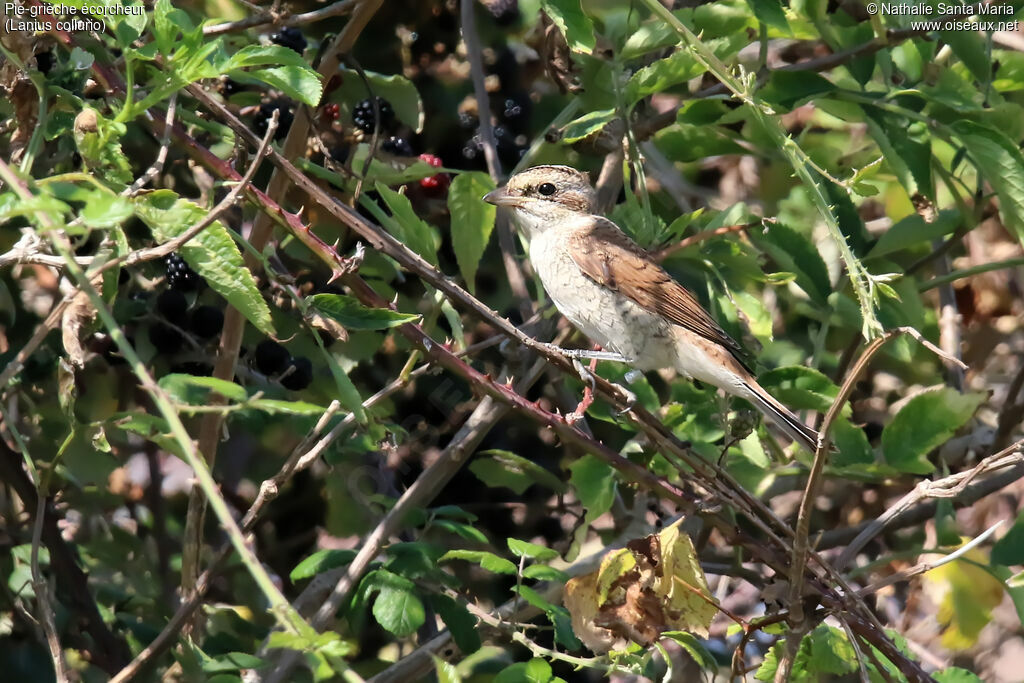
546	189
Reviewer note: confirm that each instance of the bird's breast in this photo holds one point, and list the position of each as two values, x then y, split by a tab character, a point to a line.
604	315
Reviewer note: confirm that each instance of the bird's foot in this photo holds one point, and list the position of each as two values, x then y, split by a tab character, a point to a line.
630	398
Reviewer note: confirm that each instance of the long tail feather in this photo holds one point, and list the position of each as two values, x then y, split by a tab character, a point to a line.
781	416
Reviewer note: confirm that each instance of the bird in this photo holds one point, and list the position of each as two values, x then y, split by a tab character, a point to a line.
614	292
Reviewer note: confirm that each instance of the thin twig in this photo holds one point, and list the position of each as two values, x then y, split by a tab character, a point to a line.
701	236
803	525
947	487
161	157
270	19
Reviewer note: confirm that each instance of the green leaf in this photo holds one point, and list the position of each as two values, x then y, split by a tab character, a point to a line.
1009	550
472	221
273	405
914	231
1002	164
354	316
789	89
800	387
409	228
525	672
460	622
795	253
679	67
909	156
320	562
705	660
105	210
232	661
396	89
445	671
770	12
212	253
595	484
196	390
470	533
586	125
969	46
501	468
397	608
574	24
542	572
954	674
486	560
925	422
297	82
531	550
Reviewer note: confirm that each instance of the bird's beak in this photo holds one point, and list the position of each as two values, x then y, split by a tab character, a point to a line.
501	197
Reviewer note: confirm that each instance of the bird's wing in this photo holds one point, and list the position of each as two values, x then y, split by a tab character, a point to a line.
609	257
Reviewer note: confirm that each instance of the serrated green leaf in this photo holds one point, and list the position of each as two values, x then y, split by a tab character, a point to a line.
212	253
397	608
273	405
789	89
705	660
909	158
914	231
321	561
352	315
232	661
800	387
572	21
105	210
679	67
531	550
969	46
1002	164
501	468
404	224
472	221
297	82
486	560
1009	550
196	390
586	125
926	422
955	674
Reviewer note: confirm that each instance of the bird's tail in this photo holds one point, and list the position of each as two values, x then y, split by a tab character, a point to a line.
781	416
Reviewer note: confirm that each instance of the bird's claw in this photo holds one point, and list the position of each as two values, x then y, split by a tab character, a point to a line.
630	398
585	375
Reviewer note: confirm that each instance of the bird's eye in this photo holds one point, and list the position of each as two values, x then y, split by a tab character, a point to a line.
546	189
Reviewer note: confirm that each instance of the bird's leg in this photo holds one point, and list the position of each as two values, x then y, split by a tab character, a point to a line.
588	391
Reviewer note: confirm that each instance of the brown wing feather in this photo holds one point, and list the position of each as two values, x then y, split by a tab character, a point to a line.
609	257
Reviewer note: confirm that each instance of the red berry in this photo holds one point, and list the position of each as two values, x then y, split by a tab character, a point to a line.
435	185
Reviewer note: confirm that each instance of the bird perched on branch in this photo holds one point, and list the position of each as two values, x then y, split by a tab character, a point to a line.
617	295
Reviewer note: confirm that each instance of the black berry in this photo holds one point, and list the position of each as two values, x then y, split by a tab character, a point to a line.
171	304
229	87
165	339
207	321
362	115
291	38
179	275
271	358
515	112
300	376
400	147
284	119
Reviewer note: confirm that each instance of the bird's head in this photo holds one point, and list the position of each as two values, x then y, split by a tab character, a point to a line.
542	194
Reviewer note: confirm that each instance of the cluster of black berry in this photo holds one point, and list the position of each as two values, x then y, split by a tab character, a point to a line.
180	275
284	118
291	38
364	119
272	359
